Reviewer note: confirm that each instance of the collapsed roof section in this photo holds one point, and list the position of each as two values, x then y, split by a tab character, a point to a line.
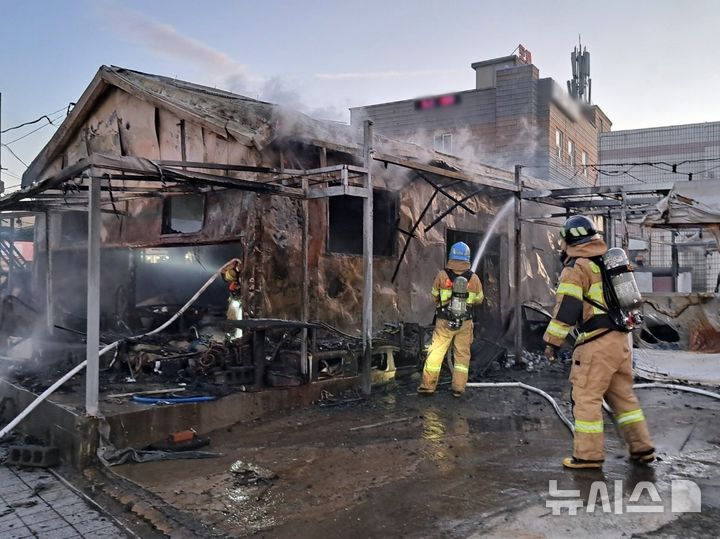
687	204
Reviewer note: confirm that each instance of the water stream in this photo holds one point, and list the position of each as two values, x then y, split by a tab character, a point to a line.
490	231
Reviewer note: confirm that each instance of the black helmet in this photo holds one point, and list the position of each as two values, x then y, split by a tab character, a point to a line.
577	230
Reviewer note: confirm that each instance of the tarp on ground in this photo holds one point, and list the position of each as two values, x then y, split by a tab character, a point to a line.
677	366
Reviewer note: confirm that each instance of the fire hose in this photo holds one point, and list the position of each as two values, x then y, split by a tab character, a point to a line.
564	418
49	391
540	392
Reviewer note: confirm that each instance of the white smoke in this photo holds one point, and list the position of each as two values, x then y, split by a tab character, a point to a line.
388	74
217	68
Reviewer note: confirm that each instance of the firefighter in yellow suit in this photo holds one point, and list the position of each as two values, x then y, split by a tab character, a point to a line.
445	333
231	275
602	358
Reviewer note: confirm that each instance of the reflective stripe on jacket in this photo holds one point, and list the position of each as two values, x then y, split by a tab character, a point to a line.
580	279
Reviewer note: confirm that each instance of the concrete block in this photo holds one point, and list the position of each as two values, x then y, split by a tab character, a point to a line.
32	455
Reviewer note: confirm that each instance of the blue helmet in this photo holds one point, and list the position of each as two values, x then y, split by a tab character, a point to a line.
460	251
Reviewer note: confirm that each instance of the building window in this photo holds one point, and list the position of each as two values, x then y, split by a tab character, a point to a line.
345	231
443	143
183	214
583	157
559	143
571	153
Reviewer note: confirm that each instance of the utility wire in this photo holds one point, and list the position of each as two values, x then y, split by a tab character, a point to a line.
43	117
673	166
8	148
34	131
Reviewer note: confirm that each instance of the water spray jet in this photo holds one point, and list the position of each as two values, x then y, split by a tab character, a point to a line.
491	230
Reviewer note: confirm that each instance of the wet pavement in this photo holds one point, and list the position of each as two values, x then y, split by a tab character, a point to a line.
34	503
403	465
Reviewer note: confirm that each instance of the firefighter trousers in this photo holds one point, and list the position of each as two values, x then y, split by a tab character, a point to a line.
603	368
442	338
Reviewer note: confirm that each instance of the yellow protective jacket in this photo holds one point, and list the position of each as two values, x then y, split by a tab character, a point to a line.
442	286
580	279
231	275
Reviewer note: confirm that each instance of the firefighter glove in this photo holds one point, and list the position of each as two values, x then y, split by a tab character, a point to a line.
550	353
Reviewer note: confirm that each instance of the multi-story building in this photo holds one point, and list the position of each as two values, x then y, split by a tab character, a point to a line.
694	149
664	155
512	116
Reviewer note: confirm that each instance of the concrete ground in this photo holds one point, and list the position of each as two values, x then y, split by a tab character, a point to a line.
403	465
34	503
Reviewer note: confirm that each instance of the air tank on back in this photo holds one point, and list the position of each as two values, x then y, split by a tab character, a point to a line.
458	302
622	279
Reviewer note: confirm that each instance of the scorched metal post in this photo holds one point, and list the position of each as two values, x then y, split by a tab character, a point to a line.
93	297
367	259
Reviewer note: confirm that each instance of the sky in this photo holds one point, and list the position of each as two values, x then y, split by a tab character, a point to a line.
653	62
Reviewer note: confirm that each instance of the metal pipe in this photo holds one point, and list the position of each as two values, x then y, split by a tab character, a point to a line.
367	321
49	316
49	391
518	267
11	258
305	290
92	375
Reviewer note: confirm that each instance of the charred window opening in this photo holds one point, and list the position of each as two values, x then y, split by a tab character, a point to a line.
183	214
73	228
345	234
190	267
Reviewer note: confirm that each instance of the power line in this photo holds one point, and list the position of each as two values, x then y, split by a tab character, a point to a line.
44	116
8	148
656	164
33	131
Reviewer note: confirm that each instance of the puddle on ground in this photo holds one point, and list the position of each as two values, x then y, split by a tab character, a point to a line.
389	402
433	426
512	423
251	503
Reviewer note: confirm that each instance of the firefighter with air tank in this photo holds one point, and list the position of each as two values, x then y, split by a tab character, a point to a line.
597	294
455	290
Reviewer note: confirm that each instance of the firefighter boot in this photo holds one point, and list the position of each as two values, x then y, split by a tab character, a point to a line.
643	458
579	464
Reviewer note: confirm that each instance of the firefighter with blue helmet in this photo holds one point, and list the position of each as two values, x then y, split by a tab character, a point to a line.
455	291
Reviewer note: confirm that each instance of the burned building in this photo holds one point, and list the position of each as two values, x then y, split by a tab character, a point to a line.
152	184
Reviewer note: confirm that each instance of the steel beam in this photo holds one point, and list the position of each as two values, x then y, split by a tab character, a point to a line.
598	190
49	316
92	377
305	291
337	190
518	266
478	179
367	318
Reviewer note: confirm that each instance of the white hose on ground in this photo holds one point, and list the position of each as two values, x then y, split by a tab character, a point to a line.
565	420
540	392
679	388
49	391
